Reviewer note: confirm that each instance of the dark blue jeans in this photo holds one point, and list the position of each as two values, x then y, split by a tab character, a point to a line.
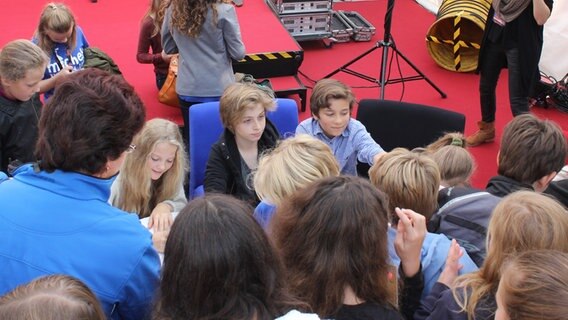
495	58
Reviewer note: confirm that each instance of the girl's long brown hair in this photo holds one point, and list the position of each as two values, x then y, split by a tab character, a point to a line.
333	235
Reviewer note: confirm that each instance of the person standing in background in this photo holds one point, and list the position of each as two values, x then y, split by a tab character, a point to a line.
150	41
207	35
513	40
63	41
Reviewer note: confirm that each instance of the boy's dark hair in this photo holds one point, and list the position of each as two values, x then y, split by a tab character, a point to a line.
531	148
326	89
92	118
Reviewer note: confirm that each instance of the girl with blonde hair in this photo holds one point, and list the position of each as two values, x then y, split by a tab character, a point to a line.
448	139
456	166
150	41
21	69
151	179
207	36
464	211
522	221
533	286
292	165
63	41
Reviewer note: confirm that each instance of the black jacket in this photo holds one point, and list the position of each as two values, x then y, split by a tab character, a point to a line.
409	302
223	173
559	189
501	186
523	33
440	304
18	130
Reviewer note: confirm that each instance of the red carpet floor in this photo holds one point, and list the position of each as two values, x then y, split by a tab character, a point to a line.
113	26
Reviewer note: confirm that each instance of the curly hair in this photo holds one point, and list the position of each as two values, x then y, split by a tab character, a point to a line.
188	16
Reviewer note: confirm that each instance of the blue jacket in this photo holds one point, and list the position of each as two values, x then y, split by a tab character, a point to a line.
433	258
263	213
61	223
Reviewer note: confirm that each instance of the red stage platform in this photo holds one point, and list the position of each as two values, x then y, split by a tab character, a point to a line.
271	51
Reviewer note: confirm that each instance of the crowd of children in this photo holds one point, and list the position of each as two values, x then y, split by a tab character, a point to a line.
286	229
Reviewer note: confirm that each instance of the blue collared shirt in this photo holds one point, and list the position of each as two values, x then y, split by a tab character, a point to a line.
354	143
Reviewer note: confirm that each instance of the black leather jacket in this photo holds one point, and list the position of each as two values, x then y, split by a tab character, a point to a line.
18	130
223	173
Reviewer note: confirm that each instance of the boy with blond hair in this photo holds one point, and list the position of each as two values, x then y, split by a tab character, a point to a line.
411	181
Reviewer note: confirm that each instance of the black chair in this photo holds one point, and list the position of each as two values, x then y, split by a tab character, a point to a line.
409	125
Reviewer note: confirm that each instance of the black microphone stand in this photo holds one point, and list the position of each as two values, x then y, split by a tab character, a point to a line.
386	43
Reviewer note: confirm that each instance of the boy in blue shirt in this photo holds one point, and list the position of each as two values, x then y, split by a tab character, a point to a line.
331	104
411	181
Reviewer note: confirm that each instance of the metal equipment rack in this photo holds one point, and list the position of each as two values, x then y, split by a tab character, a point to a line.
305	20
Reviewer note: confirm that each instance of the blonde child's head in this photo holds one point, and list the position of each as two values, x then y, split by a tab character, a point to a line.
22	66
293	164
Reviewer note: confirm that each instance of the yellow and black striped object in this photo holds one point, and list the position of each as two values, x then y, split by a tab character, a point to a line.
453	41
270	64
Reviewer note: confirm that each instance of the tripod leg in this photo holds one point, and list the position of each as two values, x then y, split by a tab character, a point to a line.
343	67
383	76
432	84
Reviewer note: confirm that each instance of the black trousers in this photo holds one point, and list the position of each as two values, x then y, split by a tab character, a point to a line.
184	107
494	60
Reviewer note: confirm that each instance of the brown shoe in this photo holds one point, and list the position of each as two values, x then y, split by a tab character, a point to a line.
486	133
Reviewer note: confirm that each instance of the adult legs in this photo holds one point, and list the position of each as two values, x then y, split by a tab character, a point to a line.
184	107
518	91
493	60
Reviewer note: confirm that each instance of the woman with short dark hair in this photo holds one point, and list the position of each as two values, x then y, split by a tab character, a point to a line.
54	214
